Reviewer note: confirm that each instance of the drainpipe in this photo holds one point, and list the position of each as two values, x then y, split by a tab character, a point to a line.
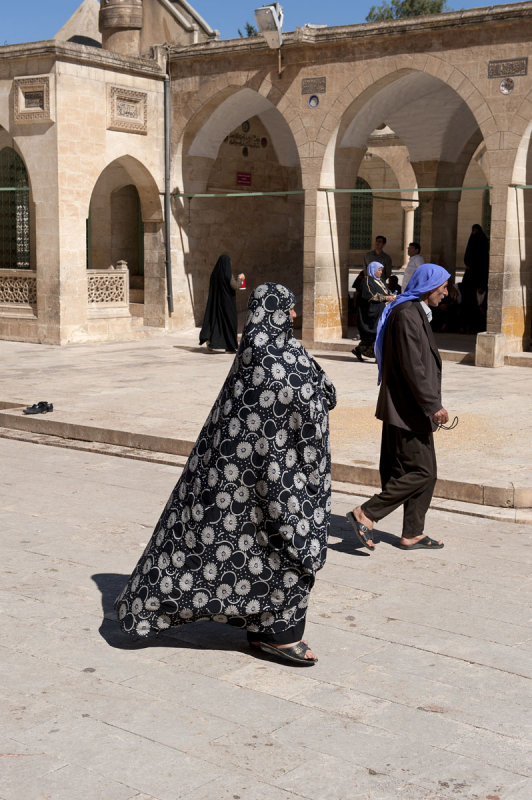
167	208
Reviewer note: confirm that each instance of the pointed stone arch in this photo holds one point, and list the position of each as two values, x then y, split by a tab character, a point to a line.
238	136
125	223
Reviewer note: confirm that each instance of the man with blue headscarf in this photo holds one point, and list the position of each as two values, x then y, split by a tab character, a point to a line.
410	408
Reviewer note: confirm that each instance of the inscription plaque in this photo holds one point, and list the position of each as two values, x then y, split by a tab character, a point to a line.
314	85
34	100
507	68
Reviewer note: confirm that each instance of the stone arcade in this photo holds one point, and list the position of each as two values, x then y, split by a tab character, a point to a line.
434	114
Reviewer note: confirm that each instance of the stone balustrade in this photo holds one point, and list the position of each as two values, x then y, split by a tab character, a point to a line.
18	292
108	288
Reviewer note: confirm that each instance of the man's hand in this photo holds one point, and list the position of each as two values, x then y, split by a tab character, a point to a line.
441	417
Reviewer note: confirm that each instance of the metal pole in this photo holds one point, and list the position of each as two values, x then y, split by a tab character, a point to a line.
167	207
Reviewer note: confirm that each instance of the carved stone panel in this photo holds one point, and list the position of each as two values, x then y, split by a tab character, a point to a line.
32	99
105	287
127	110
18	289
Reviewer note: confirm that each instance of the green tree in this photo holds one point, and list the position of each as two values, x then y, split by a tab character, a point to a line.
250	31
397	9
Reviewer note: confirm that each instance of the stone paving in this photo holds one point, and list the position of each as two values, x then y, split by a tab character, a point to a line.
164	387
420	693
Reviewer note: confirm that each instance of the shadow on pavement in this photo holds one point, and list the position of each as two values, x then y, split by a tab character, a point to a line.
203	635
341	529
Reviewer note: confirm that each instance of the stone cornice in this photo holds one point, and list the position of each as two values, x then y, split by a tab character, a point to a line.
81	54
325	35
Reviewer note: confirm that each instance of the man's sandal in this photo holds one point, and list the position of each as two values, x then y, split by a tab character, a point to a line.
426	543
296	653
363	534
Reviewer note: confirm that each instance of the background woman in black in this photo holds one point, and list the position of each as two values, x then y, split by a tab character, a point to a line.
245	529
374	295
219	328
474	284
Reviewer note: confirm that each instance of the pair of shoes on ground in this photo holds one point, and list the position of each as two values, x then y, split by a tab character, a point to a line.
39	408
295	653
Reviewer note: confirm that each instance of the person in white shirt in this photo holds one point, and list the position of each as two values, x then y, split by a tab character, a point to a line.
416	260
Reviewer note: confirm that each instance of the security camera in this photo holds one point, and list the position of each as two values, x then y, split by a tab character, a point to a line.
270	21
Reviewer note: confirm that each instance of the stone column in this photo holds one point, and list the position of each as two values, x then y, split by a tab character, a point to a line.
120	24
509	302
155	301
409	209
426	172
326	247
444	226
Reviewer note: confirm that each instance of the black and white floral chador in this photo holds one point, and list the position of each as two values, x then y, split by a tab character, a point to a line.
245	528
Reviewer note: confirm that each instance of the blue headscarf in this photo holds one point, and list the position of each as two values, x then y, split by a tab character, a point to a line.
373	267
425	279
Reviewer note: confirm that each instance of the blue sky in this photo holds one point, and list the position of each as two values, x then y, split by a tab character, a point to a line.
32	20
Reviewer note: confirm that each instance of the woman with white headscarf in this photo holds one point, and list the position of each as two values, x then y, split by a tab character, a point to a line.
245	529
374	296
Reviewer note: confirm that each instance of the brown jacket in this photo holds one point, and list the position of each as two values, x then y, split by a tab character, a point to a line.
410	391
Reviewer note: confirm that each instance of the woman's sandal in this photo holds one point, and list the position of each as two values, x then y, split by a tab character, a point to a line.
295	653
363	534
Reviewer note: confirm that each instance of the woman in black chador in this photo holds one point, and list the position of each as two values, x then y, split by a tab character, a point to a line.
245	529
374	295
474	284
220	320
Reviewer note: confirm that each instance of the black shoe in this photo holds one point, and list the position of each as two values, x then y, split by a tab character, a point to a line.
356	352
39	408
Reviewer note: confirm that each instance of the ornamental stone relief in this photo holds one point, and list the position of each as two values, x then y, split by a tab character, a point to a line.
127	110
18	289
32	99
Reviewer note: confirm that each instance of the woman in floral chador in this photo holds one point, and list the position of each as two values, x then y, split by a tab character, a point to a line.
245	528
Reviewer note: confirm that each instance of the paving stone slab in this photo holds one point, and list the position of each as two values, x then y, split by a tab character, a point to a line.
66	783
130	759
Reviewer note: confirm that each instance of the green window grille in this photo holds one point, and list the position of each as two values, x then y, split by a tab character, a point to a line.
361	221
486	212
417	224
14	212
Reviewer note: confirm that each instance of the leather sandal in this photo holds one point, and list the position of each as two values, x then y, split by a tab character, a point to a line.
426	543
295	653
363	534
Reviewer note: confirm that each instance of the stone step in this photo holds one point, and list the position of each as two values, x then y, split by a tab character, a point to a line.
136	281
136	295
518	360
136	309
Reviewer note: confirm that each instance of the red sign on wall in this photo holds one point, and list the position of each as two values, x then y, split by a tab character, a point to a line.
243	178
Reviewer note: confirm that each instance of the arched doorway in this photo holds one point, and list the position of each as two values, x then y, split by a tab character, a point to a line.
240	143
125	226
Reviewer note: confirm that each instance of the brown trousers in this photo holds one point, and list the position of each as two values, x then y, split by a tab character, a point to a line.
408	476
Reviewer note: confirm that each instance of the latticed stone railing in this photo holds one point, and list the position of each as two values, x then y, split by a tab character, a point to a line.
18	287
108	287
